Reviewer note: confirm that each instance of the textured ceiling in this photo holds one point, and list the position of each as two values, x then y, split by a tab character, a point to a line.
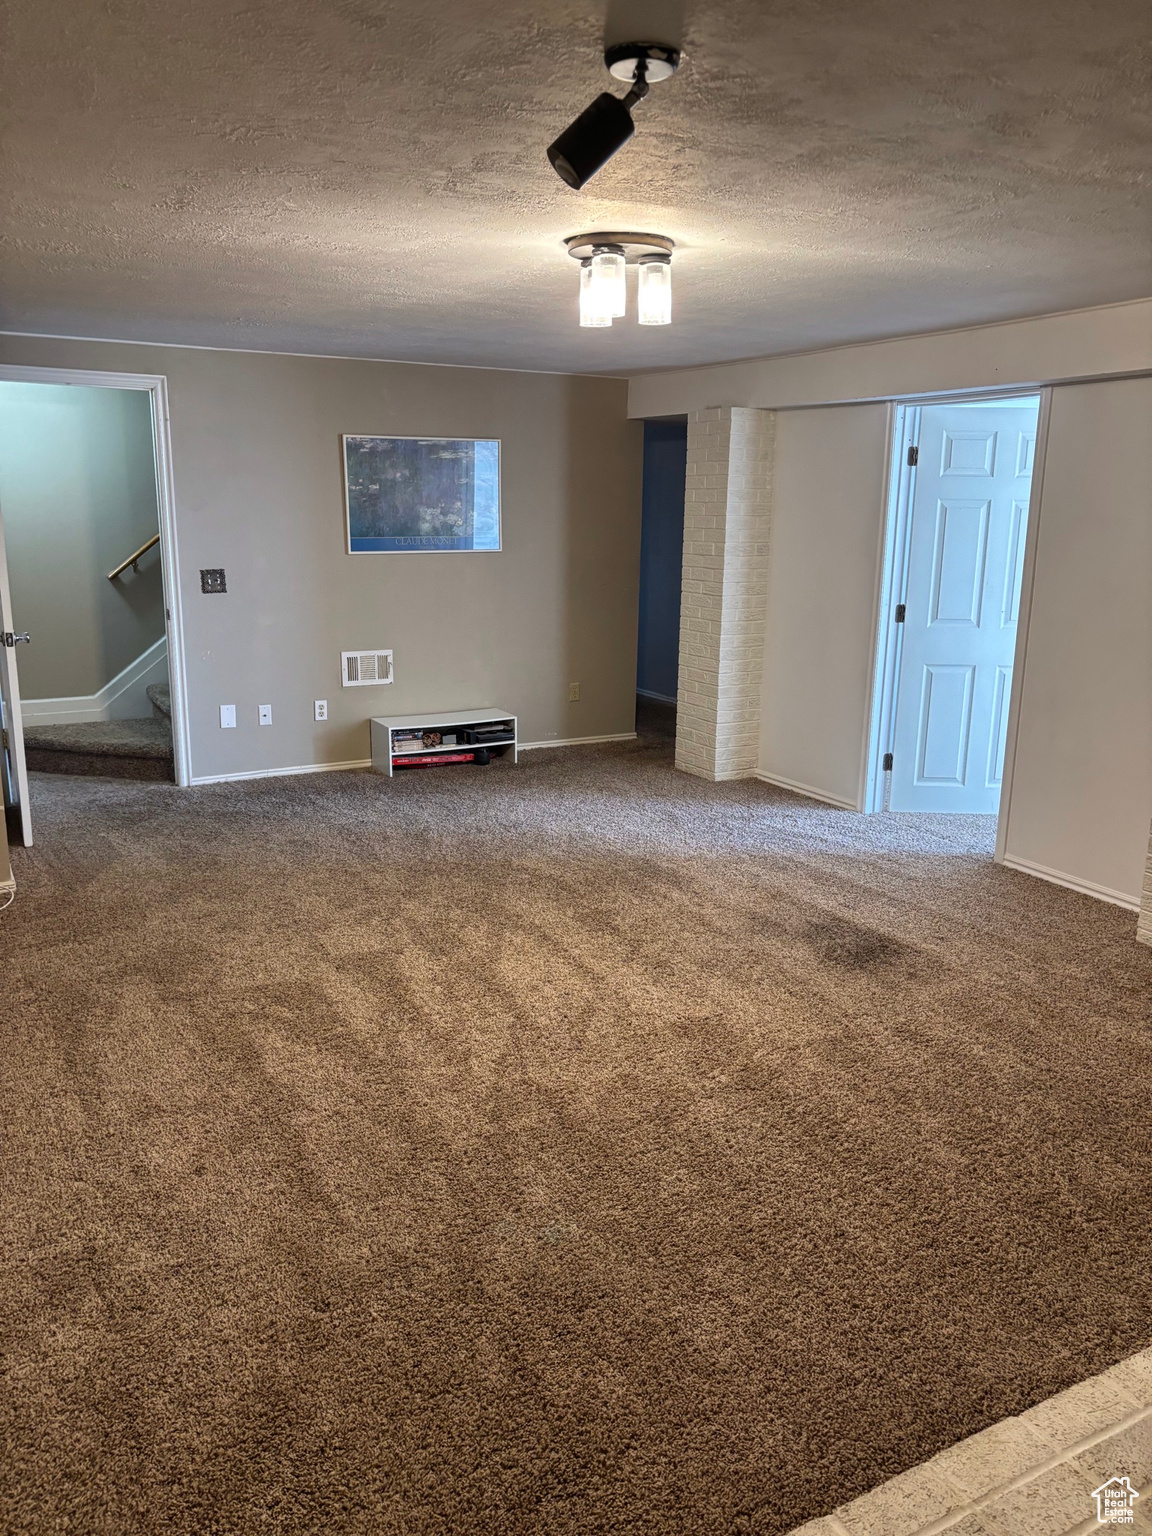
365	178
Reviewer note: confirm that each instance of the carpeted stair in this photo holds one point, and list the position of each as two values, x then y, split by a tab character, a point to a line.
160	698
117	749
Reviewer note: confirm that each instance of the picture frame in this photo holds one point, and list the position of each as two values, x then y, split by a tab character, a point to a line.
421	495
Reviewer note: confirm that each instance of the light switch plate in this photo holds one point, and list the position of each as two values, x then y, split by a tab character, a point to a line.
227	717
265	714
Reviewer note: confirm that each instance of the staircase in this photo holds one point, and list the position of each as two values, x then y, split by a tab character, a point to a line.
116	749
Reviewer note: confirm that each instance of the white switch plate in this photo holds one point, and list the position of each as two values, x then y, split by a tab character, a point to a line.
321	709
227	717
265	714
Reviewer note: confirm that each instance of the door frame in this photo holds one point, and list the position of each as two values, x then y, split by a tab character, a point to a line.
893	581
156	385
16	765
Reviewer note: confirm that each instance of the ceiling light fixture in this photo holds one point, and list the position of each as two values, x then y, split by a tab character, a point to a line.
604	259
602	128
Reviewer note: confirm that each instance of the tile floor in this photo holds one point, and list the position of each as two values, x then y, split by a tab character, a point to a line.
1029	1476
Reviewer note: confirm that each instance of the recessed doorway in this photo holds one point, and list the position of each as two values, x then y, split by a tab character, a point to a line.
93	604
661	563
961	479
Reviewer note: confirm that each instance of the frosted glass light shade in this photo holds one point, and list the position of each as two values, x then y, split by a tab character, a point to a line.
608	269
592	312
654	293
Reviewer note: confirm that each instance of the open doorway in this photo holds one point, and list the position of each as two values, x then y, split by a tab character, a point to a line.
961	485
661	564
88	586
79	499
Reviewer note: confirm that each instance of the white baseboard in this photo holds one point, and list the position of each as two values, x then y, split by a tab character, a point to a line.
661	698
123	698
281	773
366	762
807	790
576	741
1072	883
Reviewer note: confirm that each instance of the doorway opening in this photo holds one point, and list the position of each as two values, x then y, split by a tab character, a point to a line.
661	564
91	681
959	513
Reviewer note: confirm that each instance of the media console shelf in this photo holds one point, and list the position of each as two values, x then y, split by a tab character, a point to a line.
398	740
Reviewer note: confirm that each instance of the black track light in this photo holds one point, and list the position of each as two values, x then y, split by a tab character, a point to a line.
606	125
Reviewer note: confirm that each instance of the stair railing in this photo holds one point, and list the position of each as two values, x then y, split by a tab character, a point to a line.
134	560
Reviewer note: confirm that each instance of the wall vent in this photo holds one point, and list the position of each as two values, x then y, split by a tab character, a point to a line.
359	668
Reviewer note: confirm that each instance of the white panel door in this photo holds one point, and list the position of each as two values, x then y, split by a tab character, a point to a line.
13	765
961	602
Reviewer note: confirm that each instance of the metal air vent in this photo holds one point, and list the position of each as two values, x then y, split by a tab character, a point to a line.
360	668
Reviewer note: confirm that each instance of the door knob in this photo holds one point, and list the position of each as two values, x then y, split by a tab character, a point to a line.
11	640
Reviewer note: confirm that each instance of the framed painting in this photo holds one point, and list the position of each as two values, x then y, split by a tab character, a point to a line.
405	495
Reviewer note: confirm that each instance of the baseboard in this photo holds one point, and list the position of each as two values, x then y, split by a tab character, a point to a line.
1071	883
807	790
281	773
84	708
661	698
576	741
366	762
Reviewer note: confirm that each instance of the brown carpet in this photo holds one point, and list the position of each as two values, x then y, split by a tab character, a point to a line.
566	1149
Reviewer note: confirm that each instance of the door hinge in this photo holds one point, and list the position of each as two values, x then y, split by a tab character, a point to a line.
901	613
913	457
887	762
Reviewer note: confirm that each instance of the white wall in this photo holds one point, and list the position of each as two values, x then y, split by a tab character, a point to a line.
1081	798
823	562
1087	343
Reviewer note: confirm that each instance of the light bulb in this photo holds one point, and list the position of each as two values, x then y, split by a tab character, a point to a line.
608	279
654	292
590	312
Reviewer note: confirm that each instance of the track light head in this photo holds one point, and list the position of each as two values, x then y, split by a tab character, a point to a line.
606	125
591	140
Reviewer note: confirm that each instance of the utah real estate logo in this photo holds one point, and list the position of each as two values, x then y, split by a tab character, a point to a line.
1114	1501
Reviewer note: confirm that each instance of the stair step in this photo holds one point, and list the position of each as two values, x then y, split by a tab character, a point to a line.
120	749
160	697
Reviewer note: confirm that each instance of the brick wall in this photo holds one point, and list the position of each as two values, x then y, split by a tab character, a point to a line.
727	508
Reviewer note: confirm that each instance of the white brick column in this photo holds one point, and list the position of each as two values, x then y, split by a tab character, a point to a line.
1144	926
727	507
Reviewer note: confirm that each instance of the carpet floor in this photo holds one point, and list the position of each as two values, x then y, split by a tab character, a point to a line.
567	1148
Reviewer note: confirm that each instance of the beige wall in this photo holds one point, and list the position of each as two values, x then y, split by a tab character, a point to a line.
1081	797
1114	339
258	490
823	569
78	495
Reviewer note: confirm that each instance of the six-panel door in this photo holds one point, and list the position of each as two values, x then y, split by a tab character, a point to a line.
969	518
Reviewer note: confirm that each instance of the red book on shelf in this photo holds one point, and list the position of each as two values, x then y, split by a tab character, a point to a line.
431	759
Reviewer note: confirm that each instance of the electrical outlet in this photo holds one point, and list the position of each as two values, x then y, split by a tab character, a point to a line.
265	714
573	693
227	717
321	709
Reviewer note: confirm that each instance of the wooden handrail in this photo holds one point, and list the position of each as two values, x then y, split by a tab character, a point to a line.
134	560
